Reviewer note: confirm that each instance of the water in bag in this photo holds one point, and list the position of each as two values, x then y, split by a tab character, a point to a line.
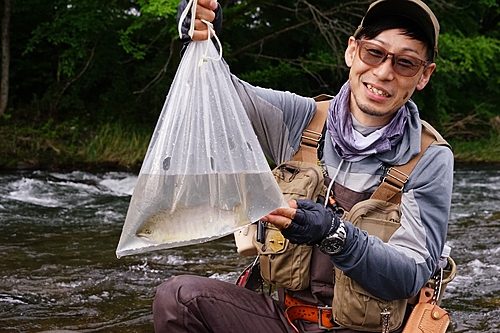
204	175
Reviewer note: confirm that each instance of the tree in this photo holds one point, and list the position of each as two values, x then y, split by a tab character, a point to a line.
464	93
291	45
100	59
115	60
73	33
4	80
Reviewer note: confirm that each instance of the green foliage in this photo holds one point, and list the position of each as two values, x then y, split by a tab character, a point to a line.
73	31
150	11
482	150
88	67
464	92
270	77
41	144
465	87
164	8
309	37
106	62
476	56
138	51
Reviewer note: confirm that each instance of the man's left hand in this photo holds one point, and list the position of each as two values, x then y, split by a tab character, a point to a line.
304	221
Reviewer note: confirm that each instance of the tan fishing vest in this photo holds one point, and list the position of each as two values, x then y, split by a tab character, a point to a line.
379	215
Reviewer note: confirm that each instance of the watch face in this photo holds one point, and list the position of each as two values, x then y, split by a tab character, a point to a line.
331	245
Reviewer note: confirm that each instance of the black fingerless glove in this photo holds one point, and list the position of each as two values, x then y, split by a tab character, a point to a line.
185	39
311	224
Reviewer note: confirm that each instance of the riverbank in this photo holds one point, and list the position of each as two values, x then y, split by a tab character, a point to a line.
73	145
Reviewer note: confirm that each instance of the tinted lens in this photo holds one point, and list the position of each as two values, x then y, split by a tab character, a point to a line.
406	65
373	55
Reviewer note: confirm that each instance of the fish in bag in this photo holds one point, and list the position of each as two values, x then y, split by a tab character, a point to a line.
204	175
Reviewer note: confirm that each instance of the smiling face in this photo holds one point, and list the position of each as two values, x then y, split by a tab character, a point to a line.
377	92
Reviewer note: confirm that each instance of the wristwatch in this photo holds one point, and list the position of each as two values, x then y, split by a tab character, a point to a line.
334	243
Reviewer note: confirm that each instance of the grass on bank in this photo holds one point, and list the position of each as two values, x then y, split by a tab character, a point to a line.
482	150
71	145
114	145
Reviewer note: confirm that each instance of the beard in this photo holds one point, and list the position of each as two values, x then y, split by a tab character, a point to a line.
372	111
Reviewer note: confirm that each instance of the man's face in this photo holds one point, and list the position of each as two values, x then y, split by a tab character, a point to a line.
377	92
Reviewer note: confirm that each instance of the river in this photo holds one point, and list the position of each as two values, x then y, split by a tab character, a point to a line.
58	268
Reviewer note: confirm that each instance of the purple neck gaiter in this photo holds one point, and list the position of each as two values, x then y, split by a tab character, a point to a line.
347	143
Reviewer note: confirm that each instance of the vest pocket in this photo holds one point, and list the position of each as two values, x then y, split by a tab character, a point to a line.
282	263
356	308
378	218
353	306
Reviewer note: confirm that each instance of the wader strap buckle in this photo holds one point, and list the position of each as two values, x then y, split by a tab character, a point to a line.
311	138
396	178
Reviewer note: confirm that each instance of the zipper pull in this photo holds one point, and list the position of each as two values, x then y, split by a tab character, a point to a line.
385	317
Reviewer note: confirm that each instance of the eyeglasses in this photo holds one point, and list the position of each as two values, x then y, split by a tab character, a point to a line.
373	54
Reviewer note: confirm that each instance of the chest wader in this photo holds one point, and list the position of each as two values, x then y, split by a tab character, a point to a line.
352	306
282	263
380	215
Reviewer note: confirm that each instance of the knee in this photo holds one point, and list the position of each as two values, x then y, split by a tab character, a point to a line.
168	286
176	289
171	301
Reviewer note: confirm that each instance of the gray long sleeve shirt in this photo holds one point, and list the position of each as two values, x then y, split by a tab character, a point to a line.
393	270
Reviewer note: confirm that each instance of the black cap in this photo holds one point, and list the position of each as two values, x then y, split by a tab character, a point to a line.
414	10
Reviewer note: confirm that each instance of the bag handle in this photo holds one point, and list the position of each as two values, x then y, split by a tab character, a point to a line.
191	7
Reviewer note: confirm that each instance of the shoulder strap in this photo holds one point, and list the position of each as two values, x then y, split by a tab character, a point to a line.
392	185
308	150
439	140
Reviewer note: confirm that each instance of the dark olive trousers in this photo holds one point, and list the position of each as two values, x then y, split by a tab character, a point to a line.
193	304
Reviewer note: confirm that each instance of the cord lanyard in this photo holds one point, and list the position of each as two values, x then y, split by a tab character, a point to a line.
191	6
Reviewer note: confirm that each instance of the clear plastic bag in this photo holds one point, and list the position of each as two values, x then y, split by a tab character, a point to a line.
204	175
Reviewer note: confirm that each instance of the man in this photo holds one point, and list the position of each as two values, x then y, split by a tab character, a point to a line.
371	125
